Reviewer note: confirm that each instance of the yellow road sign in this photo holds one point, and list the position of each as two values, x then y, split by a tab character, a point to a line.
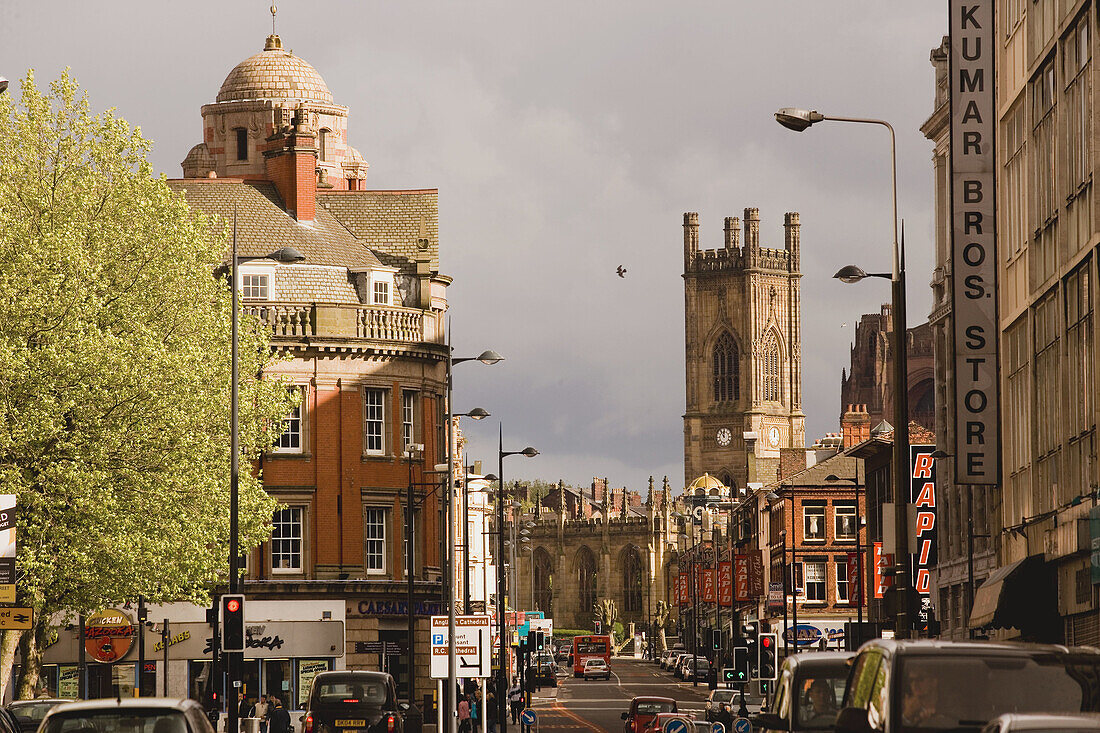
7	593
16	618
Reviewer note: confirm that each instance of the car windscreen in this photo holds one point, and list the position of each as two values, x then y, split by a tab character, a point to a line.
652	707
946	692
336	691
34	711
723	695
819	694
117	720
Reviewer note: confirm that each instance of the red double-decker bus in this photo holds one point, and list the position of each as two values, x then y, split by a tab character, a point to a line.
590	647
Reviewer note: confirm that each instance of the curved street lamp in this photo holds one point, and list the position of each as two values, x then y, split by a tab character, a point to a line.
799	120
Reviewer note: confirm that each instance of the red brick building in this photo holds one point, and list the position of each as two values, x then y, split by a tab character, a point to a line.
360	319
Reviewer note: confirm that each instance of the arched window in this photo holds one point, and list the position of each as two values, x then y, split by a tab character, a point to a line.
322	145
544	582
586	582
633	581
771	373
727	386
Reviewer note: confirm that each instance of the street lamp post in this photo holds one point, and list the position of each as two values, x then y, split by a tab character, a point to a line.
486	357
285	255
412	450
798	120
773	497
502	680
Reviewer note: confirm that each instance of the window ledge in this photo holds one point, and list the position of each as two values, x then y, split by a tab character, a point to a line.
378	457
813	540
844	541
282	455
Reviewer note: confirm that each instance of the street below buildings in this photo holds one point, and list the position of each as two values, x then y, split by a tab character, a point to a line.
597	705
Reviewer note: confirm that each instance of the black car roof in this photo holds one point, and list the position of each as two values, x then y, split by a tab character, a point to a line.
922	646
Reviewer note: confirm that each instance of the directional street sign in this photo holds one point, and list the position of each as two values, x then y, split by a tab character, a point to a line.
678	725
742	725
16	618
473	651
717	727
528	717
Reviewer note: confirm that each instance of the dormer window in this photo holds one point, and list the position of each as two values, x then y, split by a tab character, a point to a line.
257	281
381	287
242	143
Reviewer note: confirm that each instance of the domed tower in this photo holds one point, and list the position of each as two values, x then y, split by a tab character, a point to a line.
262	100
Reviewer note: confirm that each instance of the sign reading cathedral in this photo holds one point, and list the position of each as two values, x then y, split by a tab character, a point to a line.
973	242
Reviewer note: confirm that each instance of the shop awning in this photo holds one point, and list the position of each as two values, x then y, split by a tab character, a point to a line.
1020	595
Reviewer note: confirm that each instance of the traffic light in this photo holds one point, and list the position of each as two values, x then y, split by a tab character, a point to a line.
531	641
767	648
233	623
716	640
598	627
740	664
540	639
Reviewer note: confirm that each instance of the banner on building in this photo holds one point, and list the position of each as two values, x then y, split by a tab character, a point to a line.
682	596
725	583
881	561
974	241
756	574
706	584
922	496
741	578
855	587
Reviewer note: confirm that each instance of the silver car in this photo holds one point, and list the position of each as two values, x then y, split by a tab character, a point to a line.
134	715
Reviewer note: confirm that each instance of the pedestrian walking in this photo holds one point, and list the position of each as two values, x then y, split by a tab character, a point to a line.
278	717
491	710
477	710
515	702
463	715
243	706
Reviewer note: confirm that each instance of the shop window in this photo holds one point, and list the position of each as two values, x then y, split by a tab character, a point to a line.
813	522
815	581
845	516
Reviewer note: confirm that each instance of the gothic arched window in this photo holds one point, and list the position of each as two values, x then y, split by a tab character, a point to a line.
727	386
633	580
586	581
544	582
771	373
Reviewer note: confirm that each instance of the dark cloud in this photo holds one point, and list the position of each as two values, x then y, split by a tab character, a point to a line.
568	138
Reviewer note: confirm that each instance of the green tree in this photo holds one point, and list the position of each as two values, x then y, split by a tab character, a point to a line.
661	618
115	372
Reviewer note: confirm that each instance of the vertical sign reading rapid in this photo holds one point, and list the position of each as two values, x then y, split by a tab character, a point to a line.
973	242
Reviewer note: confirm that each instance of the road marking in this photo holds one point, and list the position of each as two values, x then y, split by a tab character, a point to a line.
584	723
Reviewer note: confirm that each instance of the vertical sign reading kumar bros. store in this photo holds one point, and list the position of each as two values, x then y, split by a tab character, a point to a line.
973	241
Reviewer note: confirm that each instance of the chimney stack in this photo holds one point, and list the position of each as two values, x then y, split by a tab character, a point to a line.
291	164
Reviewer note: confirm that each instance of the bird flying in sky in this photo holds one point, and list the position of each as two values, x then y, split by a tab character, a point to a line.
621	271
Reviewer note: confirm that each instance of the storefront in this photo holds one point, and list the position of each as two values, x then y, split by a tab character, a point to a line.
288	643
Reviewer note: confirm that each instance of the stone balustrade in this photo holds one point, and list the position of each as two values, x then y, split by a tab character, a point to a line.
338	320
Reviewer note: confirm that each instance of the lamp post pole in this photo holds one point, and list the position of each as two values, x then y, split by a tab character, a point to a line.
799	120
502	682
410	453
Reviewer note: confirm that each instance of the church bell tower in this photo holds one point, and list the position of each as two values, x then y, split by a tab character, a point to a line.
743	352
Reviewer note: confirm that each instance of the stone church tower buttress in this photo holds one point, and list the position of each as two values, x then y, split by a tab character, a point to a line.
743	351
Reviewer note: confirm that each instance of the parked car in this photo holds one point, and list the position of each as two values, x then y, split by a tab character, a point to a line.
682	665
721	696
901	685
673	657
131	714
594	668
697	669
544	670
808	693
353	700
29	713
1035	722
643	709
662	660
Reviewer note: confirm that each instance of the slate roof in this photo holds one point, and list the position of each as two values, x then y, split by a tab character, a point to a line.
842	465
263	226
389	222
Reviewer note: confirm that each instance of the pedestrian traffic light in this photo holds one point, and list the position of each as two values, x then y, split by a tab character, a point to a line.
767	647
233	623
598	627
740	664
749	631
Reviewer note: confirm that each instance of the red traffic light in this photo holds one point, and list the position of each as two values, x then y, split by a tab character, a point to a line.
766	642
233	605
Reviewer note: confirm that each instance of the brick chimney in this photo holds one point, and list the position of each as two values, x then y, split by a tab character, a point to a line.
855	425
291	164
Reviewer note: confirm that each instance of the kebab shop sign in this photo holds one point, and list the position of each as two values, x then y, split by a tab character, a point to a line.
108	635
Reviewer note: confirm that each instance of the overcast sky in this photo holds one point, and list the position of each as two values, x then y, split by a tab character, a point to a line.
566	138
